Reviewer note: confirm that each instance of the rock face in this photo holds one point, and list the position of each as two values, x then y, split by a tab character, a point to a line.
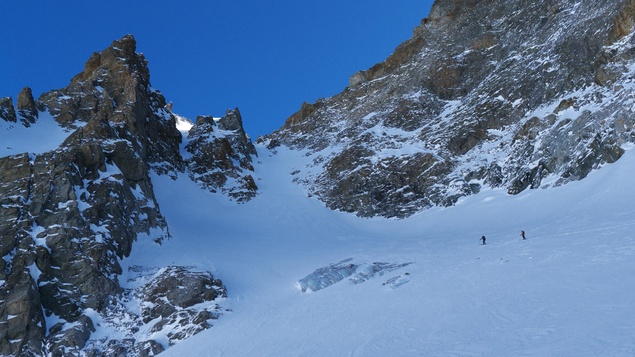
498	93
26	107
7	112
68	216
221	152
113	96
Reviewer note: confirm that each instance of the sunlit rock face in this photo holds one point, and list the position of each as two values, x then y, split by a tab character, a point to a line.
221	156
511	94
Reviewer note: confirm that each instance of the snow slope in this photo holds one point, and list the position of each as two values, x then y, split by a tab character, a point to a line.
42	136
565	291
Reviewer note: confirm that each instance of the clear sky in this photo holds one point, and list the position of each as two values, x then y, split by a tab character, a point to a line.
264	57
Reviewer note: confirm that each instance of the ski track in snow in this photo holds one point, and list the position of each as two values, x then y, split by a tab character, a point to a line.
565	291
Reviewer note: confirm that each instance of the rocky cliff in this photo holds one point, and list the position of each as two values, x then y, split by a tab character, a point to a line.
68	215
513	94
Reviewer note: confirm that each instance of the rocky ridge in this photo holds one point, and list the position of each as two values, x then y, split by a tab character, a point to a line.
511	94
69	215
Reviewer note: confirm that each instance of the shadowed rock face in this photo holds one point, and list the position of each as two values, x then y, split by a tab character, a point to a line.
518	94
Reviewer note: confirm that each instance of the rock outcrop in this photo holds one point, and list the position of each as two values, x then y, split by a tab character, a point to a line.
503	93
7	111
500	93
221	155
163	307
170	297
26	107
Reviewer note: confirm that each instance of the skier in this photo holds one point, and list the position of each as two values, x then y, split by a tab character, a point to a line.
483	239
522	234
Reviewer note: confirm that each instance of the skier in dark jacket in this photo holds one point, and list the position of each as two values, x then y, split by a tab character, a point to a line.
522	234
483	239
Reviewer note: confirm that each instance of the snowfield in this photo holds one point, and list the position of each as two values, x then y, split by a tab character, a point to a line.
568	290
43	135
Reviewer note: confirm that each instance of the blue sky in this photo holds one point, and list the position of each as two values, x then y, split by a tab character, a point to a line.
264	57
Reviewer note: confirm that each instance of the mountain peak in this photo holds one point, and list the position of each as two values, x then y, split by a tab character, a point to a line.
119	57
127	43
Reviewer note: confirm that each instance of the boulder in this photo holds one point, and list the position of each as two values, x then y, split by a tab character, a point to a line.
150	348
68	337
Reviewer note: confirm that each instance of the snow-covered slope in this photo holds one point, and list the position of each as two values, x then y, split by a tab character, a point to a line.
566	290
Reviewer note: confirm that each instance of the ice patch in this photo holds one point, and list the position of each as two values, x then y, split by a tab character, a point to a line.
334	273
